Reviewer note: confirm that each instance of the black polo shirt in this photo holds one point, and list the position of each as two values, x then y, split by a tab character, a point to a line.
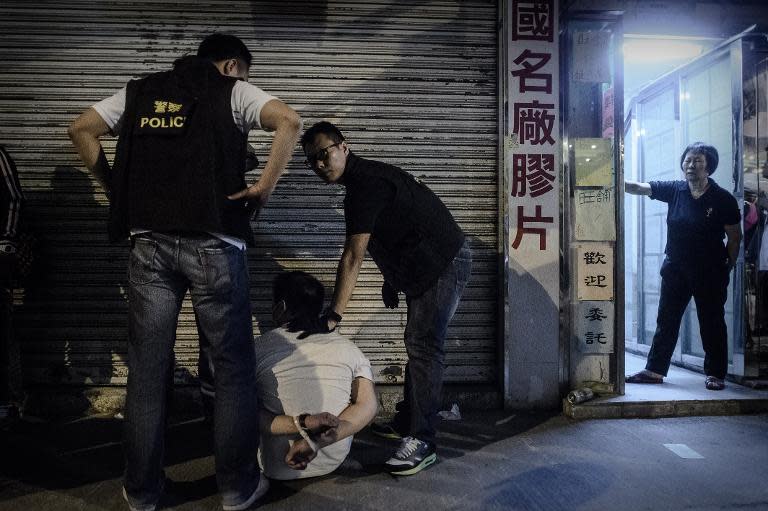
413	235
696	227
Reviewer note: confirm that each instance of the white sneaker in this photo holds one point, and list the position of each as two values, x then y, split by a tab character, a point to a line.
412	456
259	492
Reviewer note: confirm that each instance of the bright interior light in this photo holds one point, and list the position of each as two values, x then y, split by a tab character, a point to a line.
657	50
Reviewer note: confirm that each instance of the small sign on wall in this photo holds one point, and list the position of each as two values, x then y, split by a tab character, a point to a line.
593	158
595	214
591	58
594	326
595	271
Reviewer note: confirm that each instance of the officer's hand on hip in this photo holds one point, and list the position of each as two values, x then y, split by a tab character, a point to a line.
390	296
255	197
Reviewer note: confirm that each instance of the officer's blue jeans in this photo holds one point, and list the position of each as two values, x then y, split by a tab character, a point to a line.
161	268
428	318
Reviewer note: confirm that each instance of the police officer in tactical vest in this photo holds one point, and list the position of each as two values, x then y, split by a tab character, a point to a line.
178	190
421	252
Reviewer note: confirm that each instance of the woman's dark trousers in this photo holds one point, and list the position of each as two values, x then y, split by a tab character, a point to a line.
708	285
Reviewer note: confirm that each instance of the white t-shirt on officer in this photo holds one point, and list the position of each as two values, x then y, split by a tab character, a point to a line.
247	100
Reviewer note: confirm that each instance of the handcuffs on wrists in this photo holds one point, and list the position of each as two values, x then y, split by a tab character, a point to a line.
300	422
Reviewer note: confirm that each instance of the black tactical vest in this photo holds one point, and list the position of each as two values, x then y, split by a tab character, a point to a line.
431	237
179	155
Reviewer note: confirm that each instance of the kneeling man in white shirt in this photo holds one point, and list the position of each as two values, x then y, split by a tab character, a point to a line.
314	391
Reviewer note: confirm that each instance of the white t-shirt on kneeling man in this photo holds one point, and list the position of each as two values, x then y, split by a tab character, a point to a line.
311	375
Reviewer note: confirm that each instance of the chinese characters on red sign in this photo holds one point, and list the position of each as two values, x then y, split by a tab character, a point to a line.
535	170
533	21
533	97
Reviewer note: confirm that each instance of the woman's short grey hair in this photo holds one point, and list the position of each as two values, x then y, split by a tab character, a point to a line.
709	152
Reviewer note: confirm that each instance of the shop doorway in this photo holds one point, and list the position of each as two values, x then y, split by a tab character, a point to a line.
713	95
755	217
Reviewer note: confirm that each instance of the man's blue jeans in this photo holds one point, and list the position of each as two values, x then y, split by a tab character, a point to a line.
161	268
428	318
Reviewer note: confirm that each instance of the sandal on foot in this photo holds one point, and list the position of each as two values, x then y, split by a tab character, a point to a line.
714	383
643	377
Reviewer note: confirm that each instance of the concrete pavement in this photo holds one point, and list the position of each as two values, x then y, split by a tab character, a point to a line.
489	460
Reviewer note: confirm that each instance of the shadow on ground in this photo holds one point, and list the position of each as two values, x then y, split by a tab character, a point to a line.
83	458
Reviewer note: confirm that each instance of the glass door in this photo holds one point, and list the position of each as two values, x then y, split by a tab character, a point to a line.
755	350
707	106
700	101
658	137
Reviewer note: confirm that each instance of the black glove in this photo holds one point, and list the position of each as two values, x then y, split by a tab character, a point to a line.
390	296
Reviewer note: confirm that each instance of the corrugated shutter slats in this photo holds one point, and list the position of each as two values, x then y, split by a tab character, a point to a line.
410	83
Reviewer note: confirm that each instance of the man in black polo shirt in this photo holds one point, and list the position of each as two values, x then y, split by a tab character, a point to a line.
421	251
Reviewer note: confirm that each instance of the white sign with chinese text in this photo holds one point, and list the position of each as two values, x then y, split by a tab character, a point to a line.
532	149
593	322
594	271
595	214
532	160
591	58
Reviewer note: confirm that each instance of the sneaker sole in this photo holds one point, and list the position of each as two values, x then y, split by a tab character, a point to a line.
259	492
426	462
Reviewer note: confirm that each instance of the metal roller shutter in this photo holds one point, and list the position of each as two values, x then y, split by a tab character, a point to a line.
410	83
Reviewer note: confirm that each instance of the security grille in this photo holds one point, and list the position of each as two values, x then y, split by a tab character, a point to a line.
410	83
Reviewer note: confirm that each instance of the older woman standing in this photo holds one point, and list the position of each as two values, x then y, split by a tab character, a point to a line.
697	263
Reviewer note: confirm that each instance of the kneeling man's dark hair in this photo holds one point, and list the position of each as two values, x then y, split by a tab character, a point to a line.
326	128
303	293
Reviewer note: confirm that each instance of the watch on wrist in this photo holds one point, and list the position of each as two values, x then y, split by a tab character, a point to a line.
302	422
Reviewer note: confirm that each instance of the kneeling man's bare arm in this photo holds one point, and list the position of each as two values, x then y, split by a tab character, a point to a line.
286	425
360	412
